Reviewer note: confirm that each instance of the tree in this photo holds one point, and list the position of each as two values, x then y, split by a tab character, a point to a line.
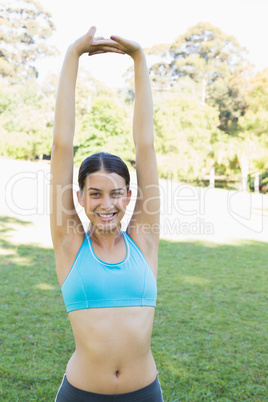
185	131
214	60
254	124
24	30
106	127
26	121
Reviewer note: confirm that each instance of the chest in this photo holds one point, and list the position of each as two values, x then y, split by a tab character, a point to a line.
113	255
94	283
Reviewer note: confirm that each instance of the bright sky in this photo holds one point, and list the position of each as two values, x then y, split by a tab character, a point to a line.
150	22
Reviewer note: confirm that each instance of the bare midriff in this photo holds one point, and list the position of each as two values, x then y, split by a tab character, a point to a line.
113	349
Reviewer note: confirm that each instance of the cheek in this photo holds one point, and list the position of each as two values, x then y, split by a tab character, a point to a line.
123	203
90	204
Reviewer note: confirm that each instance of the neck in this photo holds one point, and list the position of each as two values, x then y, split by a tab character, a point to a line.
104	238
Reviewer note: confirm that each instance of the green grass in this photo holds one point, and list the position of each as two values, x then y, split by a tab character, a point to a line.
210	331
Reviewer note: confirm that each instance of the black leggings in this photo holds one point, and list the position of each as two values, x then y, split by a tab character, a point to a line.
69	393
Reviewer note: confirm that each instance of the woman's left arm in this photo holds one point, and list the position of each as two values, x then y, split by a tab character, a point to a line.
145	222
146	215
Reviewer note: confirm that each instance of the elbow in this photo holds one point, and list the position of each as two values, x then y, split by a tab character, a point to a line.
145	138
61	141
61	147
145	145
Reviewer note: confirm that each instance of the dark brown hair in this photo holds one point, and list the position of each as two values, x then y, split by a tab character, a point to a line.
103	161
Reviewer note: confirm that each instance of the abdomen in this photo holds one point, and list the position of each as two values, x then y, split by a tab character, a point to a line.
113	352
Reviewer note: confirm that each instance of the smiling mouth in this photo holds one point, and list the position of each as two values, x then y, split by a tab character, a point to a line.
106	217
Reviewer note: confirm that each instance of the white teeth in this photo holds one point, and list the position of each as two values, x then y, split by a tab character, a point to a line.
106	215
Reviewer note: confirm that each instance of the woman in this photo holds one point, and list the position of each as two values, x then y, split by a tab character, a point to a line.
108	277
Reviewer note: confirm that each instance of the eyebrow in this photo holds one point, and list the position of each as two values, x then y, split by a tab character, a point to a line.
93	188
98	189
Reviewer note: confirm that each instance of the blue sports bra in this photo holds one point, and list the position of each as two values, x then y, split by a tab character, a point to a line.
93	283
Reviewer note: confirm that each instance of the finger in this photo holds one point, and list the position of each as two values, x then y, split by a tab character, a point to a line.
112	49
123	43
117	39
96	52
92	31
103	41
106	43
106	50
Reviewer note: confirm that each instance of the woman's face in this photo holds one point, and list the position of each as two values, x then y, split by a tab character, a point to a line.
104	199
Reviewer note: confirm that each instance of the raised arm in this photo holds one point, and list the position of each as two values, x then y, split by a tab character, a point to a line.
144	226
64	219
147	208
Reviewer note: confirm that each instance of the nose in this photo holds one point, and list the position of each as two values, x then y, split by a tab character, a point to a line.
107	202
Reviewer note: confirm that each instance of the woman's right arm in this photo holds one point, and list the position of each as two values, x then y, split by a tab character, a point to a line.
64	220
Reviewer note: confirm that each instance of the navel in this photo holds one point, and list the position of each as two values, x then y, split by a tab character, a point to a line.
117	373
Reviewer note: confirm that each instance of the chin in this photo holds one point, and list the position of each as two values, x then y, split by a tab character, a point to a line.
107	227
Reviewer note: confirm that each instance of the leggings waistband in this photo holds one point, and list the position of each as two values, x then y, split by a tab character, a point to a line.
68	393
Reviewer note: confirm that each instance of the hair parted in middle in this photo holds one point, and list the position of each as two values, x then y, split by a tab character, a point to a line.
103	161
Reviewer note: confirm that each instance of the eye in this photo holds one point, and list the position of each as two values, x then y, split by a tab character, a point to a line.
94	194
117	194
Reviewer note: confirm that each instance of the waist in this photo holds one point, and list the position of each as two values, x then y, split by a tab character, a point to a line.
109	375
113	346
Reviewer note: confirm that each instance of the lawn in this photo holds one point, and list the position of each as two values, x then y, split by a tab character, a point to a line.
210	331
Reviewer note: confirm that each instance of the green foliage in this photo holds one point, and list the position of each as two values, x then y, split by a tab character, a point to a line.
105	128
24	31
254	123
225	150
185	129
257	94
208	113
213	59
218	65
26	121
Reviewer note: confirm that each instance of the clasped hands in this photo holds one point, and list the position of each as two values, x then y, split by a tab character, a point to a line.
92	45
